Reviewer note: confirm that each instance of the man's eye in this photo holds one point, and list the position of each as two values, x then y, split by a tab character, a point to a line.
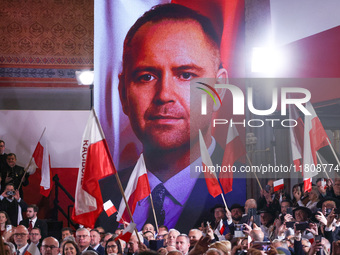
187	76
146	78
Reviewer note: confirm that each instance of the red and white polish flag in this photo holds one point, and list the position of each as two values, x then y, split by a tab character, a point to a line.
109	208
315	137
95	163
296	138
127	233
41	160
137	189
234	149
32	250
278	185
213	185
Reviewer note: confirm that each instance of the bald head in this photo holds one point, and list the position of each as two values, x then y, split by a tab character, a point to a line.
50	246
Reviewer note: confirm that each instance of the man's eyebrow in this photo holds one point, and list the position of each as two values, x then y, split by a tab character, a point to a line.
188	67
139	69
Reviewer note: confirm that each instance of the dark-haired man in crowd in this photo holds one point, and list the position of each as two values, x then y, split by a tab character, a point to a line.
14	174
95	242
35	236
32	220
3	156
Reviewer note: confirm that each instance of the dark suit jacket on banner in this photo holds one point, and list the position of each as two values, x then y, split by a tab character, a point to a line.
197	207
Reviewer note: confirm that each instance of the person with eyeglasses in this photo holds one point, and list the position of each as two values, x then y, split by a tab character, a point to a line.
50	246
35	236
83	240
21	239
113	247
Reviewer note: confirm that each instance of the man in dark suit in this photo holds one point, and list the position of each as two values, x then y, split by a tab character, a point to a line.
95	242
83	240
14	174
164	51
13	204
3	157
32	220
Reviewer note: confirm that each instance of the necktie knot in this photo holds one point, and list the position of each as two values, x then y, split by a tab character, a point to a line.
158	195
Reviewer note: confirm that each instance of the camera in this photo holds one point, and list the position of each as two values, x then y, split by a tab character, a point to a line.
10	193
267	188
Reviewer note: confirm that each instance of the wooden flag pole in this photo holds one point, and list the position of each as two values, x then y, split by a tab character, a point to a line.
336	157
317	154
117	177
29	163
126	203
153	211
251	165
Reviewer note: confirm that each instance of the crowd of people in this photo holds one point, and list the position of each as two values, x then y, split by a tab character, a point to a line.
277	223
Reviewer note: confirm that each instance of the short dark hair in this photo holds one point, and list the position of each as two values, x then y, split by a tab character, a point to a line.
169	12
35	207
11	154
67	229
37	229
163	226
2	141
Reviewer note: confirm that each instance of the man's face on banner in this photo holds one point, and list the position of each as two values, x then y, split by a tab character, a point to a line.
155	93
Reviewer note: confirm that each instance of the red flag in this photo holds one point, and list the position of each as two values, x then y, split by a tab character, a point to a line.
137	189
41	160
32	250
127	233
96	163
315	137
278	185
213	185
234	149
109	208
296	138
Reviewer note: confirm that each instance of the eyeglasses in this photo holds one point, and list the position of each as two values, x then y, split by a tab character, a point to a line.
34	234
82	236
20	234
49	246
111	246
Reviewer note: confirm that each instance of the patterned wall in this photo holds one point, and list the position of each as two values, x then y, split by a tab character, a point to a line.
45	38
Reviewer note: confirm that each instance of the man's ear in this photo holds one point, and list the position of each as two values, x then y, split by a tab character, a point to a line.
221	78
122	93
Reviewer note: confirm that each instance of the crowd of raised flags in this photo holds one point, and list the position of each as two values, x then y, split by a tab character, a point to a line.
304	151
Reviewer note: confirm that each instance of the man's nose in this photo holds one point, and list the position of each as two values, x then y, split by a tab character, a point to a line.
166	89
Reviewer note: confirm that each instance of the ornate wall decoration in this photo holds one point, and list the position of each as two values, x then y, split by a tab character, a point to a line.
45	34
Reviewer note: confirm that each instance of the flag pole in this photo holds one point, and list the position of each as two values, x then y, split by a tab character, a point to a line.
336	157
153	211
317	154
29	163
251	165
116	174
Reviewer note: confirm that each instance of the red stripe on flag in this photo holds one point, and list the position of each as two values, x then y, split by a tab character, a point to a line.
142	191
213	185
38	155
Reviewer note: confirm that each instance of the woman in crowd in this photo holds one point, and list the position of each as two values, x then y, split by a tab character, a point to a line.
70	248
5	223
113	247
